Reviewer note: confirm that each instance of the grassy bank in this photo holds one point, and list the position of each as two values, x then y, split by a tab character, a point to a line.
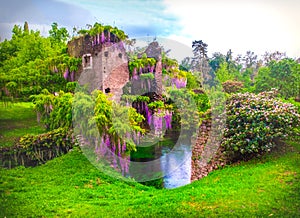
16	120
71	186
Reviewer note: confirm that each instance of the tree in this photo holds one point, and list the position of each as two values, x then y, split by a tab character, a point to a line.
26	28
286	77
282	75
199	49
250	60
200	60
186	64
31	62
58	36
274	56
222	74
263	80
192	81
216	60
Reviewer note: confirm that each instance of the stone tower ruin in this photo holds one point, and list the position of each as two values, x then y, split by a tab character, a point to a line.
104	63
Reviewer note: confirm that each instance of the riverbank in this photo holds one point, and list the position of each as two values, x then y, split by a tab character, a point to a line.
71	186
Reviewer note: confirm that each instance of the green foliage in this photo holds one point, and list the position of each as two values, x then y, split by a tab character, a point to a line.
146	76
43	105
71	86
61	113
141	98
98	28
282	75
58	137
93	113
115	120
222	74
245	78
168	63
217	100
103	112
143	63
201	100
54	110
83	112
255	122
32	62
58	36
135	98
297	104
157	105
230	86
192	81
185	104
34	149
216	60
263	81
186	64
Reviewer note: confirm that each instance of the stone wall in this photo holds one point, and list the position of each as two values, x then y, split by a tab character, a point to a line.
104	65
200	166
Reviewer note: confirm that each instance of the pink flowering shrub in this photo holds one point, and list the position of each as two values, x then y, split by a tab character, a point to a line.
232	86
254	122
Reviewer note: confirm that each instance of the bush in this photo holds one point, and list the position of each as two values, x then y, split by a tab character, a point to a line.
54	110
32	150
255	122
232	86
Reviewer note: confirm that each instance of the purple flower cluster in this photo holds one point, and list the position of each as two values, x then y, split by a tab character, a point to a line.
100	39
178	82
108	150
162	118
66	73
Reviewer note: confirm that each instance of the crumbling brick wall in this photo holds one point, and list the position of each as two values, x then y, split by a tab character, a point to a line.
201	165
104	65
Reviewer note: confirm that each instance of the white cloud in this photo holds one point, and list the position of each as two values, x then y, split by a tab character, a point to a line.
239	25
6	29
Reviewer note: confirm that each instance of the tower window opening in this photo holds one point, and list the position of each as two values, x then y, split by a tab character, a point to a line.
87	61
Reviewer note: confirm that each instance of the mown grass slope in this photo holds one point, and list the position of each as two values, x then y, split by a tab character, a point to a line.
71	186
16	120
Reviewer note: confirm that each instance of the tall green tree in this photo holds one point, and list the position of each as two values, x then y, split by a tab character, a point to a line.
222	74
283	75
58	37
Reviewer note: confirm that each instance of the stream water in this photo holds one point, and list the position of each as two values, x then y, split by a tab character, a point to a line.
171	162
176	166
165	163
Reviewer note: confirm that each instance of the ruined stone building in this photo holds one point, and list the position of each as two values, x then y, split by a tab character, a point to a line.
105	64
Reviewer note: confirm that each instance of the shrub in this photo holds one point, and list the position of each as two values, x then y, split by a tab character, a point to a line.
32	150
54	110
254	122
232	86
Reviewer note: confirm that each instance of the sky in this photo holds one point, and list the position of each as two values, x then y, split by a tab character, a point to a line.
239	25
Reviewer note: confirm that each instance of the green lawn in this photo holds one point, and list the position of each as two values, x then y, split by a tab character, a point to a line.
71	186
16	120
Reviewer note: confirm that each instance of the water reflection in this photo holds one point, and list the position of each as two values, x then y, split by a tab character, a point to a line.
169	162
176	166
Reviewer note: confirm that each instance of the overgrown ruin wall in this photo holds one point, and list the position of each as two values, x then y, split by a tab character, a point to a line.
200	169
104	65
